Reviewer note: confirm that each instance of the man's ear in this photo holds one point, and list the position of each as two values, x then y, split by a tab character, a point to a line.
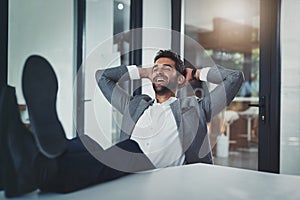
181	80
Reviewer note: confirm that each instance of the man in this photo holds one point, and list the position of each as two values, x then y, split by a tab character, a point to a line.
170	131
178	134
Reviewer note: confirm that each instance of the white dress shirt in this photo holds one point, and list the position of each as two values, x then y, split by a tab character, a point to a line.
157	135
156	131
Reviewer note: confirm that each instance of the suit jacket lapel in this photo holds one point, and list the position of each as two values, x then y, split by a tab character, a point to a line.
133	112
175	107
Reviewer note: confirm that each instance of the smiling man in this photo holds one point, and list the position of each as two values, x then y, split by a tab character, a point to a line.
170	131
160	132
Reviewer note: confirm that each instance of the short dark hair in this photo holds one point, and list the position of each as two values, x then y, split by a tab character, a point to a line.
179	65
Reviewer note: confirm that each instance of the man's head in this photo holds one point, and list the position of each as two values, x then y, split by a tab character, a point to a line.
179	65
168	73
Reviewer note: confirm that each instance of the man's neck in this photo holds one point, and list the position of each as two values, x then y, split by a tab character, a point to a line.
163	98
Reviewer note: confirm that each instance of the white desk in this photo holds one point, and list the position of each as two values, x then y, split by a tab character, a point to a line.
249	114
188	182
246	99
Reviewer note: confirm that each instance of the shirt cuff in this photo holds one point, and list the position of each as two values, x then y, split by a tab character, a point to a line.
203	74
133	72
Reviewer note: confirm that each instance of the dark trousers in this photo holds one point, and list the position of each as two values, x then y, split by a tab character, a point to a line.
80	166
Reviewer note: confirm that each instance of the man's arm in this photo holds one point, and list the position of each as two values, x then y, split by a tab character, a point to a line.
108	80
228	84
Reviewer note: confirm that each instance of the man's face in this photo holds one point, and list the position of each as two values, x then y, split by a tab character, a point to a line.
164	76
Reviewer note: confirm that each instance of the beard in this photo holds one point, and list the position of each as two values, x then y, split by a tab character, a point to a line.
164	85
162	89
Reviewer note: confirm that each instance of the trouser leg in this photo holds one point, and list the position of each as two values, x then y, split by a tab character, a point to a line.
79	168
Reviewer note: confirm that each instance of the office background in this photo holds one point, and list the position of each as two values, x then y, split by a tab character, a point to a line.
49	28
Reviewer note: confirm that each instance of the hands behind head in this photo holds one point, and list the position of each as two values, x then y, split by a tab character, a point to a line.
188	77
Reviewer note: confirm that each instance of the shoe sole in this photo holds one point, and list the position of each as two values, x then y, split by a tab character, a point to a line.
40	86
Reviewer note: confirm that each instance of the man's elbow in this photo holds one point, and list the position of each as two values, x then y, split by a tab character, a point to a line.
98	75
240	77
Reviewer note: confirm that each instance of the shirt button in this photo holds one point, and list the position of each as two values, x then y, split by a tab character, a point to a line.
147	143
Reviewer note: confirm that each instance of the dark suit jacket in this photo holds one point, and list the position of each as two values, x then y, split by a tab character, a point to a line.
191	113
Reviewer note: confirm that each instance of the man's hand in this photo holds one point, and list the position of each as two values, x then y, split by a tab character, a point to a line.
189	76
146	72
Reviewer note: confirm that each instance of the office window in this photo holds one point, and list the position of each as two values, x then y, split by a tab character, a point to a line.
228	33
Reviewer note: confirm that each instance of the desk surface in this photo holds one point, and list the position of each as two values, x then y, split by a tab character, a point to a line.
189	182
246	99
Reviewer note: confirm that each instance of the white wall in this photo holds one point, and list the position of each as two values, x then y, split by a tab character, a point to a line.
100	54
290	88
45	28
156	33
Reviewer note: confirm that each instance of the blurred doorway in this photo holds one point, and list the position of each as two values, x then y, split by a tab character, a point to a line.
229	31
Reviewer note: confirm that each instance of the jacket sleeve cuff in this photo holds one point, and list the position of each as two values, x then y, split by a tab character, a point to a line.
133	72
203	74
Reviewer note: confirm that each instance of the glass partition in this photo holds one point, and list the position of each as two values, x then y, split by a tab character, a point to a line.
229	33
106	22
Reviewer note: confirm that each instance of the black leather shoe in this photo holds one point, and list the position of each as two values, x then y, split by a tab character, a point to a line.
40	85
19	151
